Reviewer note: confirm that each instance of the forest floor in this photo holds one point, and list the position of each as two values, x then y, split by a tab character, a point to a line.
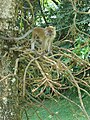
59	109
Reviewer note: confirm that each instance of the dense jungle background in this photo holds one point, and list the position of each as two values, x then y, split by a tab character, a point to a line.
48	86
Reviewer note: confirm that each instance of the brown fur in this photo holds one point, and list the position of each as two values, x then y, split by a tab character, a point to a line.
45	36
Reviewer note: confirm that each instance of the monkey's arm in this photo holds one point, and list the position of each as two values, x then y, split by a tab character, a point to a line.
17	38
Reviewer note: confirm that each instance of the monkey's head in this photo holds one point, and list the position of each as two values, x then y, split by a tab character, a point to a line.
50	31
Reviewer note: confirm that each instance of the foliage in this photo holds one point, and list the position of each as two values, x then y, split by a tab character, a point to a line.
82	47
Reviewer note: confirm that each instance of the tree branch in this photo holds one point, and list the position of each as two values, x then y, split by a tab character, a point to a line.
42	12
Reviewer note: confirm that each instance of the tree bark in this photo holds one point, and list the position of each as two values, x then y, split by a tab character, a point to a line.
8	91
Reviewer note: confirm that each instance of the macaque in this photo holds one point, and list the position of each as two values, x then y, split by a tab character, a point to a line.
45	36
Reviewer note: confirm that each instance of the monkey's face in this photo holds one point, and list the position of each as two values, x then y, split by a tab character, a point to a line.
50	32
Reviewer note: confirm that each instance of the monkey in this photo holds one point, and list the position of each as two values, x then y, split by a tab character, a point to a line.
45	36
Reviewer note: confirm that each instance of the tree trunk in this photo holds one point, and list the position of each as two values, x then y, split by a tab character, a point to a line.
8	88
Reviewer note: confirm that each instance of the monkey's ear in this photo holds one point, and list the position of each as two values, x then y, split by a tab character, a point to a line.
52	27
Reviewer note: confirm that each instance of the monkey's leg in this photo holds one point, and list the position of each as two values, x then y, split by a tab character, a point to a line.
32	45
49	46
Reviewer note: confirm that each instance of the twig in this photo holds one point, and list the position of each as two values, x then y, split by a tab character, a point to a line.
4	78
78	89
24	77
16	66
